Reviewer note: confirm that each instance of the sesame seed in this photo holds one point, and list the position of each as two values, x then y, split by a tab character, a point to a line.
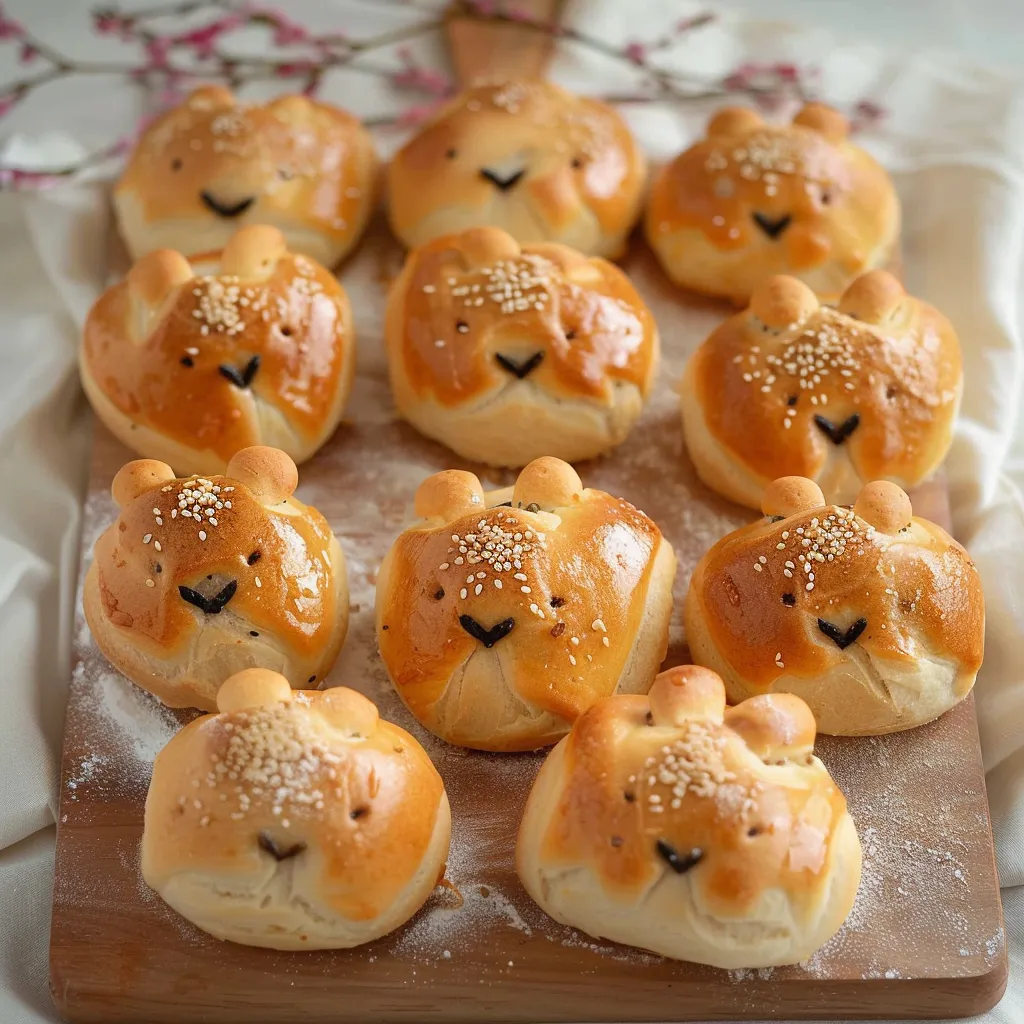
150	583
599	624
256	580
478	589
526	590
462	593
574	640
147	538
497	584
202	535
572	660
604	640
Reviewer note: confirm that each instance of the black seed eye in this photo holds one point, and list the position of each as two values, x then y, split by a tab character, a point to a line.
788	600
649	718
754	830
176	164
311	679
452	154
461	326
158	568
252	632
826	198
359	812
569	335
286	331
187	361
791	401
891	392
557	602
577	163
439	594
253	558
629	797
285	174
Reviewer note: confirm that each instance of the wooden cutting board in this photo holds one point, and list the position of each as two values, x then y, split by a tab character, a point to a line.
924	940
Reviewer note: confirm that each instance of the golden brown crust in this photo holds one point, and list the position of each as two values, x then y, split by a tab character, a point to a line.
697	831
267	571
526	156
249	346
313	783
210	165
877	622
478	324
544	607
842	396
751	200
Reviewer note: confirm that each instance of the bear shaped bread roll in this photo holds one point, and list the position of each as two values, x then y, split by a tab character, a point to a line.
201	577
294	820
701	832
842	396
874	617
524	156
189	363
506	353
502	618
211	164
753	199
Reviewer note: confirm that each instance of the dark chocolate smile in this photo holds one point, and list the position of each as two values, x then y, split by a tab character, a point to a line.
837	433
240	378
838	637
520	370
772	228
276	850
226	209
504	184
488	637
680	861
210	605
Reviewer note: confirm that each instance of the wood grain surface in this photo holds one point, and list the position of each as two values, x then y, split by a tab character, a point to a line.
924	940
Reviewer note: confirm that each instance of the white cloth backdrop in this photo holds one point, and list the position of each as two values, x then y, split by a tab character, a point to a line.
955	141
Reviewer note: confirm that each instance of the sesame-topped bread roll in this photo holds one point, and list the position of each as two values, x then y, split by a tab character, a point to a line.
506	353
294	820
525	156
842	396
211	164
201	577
701	832
753	199
874	617
190	362
502	618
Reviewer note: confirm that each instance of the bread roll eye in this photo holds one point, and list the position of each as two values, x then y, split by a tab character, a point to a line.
685	692
734	121
547	482
884	505
253	251
135	478
782	301
252	688
791	494
269	473
448	495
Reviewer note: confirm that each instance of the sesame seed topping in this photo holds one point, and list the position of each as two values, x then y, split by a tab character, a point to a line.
257	581
150	583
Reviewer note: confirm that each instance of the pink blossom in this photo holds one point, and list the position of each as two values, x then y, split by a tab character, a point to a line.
9	29
787	72
7	103
487	8
202	40
288	32
111	23
157	49
868	111
769	101
636	52
312	85
742	77
416	114
293	68
28	53
514	13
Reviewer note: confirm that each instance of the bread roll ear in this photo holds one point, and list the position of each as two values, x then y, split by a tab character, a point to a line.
208	96
547	482
825	120
134	478
884	505
486	245
734	121
152	282
775	726
781	301
360	713
873	297
789	495
252	688
292	108
685	692
253	251
269	473
448	495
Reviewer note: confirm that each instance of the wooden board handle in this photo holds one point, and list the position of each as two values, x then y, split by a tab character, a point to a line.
492	47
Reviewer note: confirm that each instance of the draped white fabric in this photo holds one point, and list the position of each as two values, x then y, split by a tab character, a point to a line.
954	139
